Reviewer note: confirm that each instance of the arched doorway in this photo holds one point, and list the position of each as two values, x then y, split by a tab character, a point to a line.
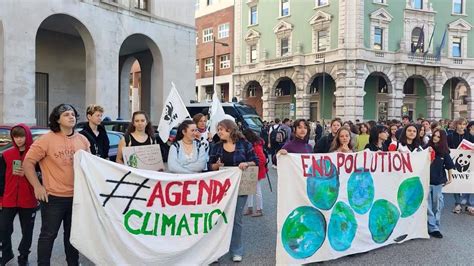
285	102
376	99
415	104
455	94
253	96
140	70
322	102
65	66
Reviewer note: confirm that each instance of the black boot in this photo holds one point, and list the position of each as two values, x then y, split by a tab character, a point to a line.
23	260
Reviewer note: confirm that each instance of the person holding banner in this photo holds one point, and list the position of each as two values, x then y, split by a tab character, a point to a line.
233	150
470	132
140	132
186	155
342	141
409	140
55	153
378	138
441	161
454	139
299	142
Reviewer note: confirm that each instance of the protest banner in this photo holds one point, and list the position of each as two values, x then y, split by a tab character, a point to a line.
146	157
248	180
127	216
463	180
337	204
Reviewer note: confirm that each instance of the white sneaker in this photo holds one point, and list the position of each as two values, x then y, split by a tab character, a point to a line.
274	166
236	258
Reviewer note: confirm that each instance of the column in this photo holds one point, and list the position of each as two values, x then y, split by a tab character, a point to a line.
350	92
302	105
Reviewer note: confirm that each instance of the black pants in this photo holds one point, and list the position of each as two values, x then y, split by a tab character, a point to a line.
27	222
58	210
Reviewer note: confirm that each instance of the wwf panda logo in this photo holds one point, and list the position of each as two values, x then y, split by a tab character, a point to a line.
462	163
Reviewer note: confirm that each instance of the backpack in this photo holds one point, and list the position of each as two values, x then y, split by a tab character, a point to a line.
280	135
273	134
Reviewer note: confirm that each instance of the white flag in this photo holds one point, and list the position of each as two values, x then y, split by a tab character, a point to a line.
216	114
174	112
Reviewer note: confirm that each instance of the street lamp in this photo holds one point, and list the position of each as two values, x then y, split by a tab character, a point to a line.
324	85
214	62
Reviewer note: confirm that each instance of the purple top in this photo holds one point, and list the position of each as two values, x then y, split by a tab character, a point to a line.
297	145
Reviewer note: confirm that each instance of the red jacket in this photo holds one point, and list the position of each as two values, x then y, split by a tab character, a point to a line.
262	160
18	191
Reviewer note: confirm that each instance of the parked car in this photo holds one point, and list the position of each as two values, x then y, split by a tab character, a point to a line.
245	114
114	125
6	141
114	139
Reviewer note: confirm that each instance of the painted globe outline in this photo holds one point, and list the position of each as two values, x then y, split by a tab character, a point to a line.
342	227
323	191
301	240
410	196
360	191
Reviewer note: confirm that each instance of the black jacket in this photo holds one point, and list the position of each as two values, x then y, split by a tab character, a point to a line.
99	144
374	147
438	167
324	144
454	139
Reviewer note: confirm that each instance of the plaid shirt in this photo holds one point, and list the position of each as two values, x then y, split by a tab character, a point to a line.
243	153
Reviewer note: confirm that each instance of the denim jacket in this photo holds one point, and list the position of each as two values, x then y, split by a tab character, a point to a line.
179	163
243	153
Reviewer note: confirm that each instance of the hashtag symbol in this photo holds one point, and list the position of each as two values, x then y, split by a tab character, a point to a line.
130	198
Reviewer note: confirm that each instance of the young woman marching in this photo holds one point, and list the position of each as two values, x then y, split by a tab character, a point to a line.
299	142
409	140
441	161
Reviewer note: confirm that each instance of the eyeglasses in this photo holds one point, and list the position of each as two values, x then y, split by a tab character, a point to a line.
65	107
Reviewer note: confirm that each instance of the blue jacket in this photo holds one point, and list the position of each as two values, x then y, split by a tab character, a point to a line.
243	153
178	162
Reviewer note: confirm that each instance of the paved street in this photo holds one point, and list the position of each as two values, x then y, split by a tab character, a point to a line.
260	236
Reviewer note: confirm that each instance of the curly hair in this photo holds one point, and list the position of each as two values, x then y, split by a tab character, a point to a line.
231	127
56	114
297	123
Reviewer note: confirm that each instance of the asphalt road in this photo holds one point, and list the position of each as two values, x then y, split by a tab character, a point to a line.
456	248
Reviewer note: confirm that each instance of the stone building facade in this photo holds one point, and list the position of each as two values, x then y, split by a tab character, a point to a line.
82	51
356	59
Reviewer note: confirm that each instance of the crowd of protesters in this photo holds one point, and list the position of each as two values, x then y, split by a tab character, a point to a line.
191	149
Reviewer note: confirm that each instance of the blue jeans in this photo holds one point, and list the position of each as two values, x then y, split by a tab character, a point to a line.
236	245
435	206
464	199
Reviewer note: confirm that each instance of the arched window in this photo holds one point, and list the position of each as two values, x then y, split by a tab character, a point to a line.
417	40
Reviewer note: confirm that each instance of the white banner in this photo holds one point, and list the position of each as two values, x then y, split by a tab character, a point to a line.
463	179
337	204
127	216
